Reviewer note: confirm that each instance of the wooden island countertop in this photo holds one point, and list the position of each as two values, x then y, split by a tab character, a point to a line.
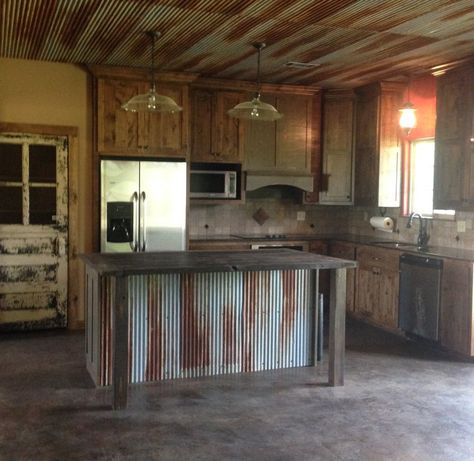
120	268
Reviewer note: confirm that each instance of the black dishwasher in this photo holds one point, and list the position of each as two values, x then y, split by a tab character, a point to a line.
420	284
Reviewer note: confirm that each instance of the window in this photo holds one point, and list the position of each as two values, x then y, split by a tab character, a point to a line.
421	179
27	181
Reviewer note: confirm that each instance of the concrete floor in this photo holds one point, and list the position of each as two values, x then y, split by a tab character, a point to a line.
402	401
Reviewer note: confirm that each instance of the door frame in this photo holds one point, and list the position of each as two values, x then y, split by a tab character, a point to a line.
75	267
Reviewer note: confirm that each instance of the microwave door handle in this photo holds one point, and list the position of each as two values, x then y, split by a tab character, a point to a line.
143	221
134	242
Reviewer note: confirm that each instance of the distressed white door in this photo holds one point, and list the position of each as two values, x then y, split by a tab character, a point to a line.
33	231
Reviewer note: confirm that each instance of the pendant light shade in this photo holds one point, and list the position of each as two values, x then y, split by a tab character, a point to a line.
256	109
152	101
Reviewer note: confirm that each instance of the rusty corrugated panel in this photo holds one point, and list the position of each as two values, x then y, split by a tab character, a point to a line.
191	325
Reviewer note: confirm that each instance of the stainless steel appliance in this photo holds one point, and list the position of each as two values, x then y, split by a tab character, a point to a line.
420	282
213	184
143	205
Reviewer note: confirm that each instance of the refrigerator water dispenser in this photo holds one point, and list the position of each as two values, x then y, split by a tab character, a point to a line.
119	222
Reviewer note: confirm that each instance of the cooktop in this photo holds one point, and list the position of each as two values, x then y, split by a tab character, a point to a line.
261	237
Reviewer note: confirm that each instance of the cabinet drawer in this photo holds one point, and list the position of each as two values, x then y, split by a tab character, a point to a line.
371	257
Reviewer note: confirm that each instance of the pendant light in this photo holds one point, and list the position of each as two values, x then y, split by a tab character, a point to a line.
407	115
256	109
152	101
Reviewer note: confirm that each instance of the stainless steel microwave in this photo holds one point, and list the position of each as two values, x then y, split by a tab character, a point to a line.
213	184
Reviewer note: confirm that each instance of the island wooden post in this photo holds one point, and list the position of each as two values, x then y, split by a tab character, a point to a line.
337	326
120	342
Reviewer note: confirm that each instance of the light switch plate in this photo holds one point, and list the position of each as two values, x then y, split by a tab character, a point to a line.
461	226
301	215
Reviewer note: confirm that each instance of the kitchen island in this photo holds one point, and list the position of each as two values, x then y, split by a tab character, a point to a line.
167	315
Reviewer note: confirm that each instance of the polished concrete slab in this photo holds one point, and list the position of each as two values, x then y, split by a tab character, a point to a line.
402	401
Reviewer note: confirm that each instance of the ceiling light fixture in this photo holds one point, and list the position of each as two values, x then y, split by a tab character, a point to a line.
152	101
407	115
256	109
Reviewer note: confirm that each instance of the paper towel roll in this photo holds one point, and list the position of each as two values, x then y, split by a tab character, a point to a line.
381	223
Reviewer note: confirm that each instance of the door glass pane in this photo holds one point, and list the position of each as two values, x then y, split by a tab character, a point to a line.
42	163
10	160
11	205
42	205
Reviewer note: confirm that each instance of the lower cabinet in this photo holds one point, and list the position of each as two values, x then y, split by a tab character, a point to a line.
216	245
346	250
377	280
456	317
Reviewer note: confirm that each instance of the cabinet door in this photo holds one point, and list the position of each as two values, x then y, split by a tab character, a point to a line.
385	311
201	109
226	145
389	150
366	156
338	119
456	321
260	142
117	129
293	134
367	292
454	182
345	250
142	134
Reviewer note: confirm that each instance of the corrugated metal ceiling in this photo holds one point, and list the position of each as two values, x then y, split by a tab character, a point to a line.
352	41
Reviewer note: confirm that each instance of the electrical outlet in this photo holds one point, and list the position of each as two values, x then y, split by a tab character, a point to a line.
301	215
366	216
461	226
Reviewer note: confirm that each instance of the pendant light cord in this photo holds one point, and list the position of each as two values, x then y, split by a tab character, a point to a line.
258	70
153	35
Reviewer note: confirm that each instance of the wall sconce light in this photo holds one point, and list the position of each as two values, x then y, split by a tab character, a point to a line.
407	115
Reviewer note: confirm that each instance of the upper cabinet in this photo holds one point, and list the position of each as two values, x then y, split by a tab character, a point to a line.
284	146
454	141
216	137
337	147
119	132
377	152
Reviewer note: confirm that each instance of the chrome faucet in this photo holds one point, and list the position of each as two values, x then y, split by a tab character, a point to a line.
423	236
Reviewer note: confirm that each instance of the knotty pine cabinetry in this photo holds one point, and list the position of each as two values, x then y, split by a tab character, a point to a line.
284	146
377	145
320	247
216	137
456	317
377	291
346	250
123	133
454	141
337	147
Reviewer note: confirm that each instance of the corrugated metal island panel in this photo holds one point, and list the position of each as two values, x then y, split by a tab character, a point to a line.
201	324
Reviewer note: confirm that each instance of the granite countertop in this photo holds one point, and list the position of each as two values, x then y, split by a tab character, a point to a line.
405	247
121	264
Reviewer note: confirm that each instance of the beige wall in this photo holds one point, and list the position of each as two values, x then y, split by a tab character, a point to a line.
45	93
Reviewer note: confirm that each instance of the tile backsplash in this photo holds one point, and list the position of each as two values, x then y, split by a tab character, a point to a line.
229	219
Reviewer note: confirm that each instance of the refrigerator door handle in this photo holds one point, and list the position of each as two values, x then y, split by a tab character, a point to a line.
143	223
134	242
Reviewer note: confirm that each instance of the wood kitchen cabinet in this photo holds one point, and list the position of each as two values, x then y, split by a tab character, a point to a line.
118	132
377	290
377	146
337	147
346	250
454	141
283	146
216	245
456	317
216	137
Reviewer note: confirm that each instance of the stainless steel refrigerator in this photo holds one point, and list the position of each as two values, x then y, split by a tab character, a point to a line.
143	205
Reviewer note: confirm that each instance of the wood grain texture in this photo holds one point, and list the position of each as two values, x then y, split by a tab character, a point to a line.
456	325
209	261
337	325
345	250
